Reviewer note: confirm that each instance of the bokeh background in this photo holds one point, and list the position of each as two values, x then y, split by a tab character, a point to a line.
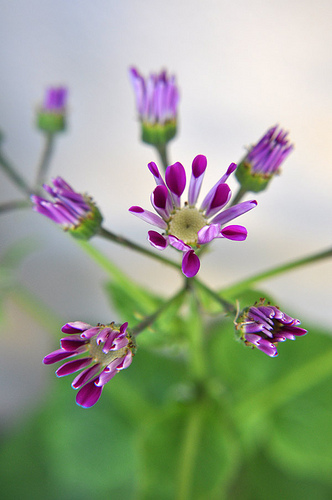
241	67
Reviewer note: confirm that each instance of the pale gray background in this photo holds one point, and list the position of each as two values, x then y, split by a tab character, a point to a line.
241	66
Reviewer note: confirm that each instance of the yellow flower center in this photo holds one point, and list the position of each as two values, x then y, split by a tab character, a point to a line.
185	224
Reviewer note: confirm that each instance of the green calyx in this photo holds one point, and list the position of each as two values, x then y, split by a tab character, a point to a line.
251	181
50	122
158	134
89	225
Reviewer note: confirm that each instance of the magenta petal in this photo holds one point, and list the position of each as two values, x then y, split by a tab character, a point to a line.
161	201
85	376
157	240
88	395
75	327
156	174
73	366
190	264
72	343
106	376
148	217
236	233
233	212
176	181
198	169
57	355
178	244
208	233
220	198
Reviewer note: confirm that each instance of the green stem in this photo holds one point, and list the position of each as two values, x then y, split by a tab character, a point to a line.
45	159
14	205
189	453
239	195
277	270
104	233
224	303
150	319
14	175
162	150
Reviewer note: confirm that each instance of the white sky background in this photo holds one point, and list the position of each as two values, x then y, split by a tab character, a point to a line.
241	67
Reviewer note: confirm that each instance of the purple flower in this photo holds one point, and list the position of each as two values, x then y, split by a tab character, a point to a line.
263	326
187	227
75	212
107	349
263	160
55	99
157	100
268	154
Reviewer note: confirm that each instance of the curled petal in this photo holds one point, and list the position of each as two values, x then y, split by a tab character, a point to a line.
73	366
72	343
88	395
176	181
264	345
236	233
161	201
75	327
148	216
58	355
220	198
198	169
190	264
178	244
208	233
156	174
157	240
85	376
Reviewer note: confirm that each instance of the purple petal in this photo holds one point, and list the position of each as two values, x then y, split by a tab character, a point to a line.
123	327
198	169
161	201
236	233
156	174
106	376
72	343
75	327
208	233
211	193
176	181
73	366
91	332
190	264
264	345
88	395
148	216
233	212
157	240
58	355
103	334
178	244
126	361
85	376
220	198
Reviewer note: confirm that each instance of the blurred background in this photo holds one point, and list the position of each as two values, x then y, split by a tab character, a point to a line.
241	67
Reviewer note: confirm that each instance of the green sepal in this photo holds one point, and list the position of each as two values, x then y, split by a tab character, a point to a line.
158	134
51	122
89	225
251	181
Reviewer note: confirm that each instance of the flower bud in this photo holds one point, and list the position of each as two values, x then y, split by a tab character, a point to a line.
51	117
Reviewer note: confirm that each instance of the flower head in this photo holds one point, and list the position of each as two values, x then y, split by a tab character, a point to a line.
156	101
107	350
187	227
51	117
75	212
263	326
263	160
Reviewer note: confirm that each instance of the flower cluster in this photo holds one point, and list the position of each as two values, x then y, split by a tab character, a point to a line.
263	326
263	160
157	100
187	227
51	118
75	212
109	348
